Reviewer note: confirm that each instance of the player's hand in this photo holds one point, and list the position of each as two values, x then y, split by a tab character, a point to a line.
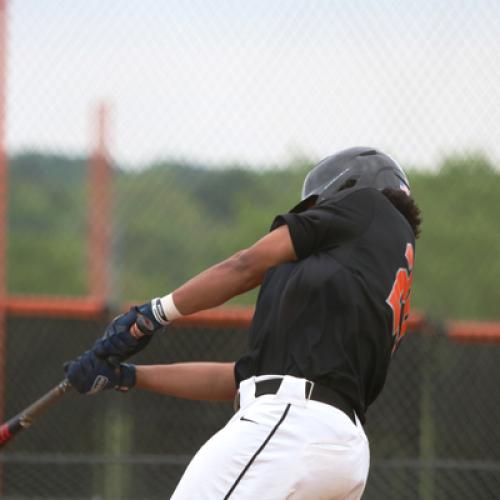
89	374
127	334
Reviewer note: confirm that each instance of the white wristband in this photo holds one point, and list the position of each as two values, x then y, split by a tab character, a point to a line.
164	309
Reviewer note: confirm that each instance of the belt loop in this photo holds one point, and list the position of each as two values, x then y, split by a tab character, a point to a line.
310	390
236	402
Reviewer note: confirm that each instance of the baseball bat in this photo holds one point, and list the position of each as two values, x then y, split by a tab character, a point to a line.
26	417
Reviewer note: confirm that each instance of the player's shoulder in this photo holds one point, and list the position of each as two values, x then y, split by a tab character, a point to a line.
365	206
361	199
367	198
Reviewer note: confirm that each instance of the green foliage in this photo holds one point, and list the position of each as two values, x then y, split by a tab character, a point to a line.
457	267
173	220
47	225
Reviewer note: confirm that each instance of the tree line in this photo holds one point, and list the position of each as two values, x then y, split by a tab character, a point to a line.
171	220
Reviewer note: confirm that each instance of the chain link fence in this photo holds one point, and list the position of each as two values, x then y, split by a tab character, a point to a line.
258	82
211	114
433	433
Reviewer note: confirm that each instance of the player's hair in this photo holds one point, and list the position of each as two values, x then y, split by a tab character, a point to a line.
407	206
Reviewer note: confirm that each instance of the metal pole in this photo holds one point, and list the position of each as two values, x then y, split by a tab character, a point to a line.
3	201
100	211
3	214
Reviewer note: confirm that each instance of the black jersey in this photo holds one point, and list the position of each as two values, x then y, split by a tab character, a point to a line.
336	314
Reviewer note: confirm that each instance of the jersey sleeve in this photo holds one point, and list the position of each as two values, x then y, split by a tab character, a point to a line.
329	223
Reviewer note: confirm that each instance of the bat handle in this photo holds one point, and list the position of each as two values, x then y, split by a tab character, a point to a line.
142	326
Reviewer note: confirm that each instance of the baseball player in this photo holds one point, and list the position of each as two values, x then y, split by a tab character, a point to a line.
335	274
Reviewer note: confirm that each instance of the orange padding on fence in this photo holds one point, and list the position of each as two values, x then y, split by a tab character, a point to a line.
92	308
473	331
89	308
55	307
229	316
242	316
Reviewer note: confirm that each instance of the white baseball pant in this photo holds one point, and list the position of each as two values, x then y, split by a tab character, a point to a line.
280	446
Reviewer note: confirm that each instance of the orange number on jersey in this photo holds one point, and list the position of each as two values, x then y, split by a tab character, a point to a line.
399	298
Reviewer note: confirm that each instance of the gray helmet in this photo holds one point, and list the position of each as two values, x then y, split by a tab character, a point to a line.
348	171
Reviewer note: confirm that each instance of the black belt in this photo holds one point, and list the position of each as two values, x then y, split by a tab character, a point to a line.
316	392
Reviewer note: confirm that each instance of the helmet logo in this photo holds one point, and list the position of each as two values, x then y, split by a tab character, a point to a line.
404	188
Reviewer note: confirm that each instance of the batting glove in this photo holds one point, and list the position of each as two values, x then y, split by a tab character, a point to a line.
119	343
89	375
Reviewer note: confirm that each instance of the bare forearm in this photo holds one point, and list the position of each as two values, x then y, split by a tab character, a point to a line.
237	274
215	286
200	381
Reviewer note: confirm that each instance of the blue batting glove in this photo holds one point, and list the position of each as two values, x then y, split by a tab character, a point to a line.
89	375
118	343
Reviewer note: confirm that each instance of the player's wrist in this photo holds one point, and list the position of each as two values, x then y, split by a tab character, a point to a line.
146	310
127	377
154	315
164	309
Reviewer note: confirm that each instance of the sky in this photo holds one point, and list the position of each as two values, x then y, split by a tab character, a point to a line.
256	82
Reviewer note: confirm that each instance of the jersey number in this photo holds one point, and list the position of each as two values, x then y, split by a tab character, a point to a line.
399	298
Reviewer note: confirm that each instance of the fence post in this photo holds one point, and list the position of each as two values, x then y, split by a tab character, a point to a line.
3	200
427	434
99	211
3	214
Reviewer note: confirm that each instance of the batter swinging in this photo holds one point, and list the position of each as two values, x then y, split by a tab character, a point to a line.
336	274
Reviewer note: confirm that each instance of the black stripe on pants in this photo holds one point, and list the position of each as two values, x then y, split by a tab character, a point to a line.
256	454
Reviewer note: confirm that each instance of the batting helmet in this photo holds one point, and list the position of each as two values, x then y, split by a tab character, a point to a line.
348	171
